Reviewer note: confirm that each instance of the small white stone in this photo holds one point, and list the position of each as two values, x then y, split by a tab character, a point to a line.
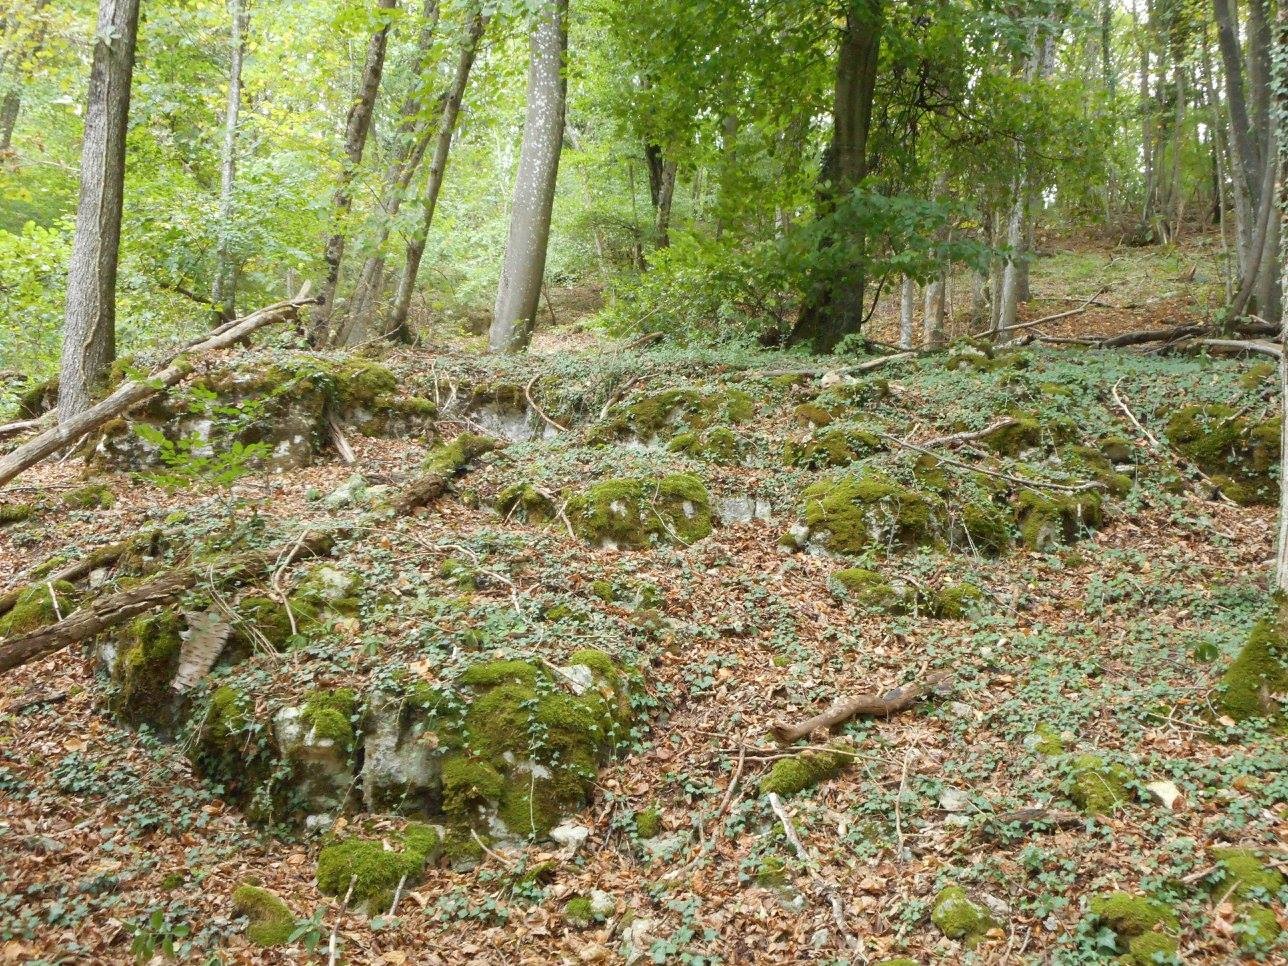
580	678
571	836
602	904
954	800
1165	792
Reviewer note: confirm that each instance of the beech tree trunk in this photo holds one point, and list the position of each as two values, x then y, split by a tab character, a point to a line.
397	327
1280	71
665	198
835	309
89	332
11	103
223	294
519	293
409	151
907	311
356	130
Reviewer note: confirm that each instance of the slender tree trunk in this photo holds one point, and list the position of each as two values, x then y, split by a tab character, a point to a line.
414	134
223	296
11	103
835	309
1218	166
1146	125
933	312
397	327
519	293
89	332
1280	70
907	312
1178	125
665	197
357	127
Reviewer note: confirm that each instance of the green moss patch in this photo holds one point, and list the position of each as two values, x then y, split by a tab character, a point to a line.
835	447
1048	519
870	589
1097	786
146	662
94	496
635	513
1241	455
372	871
328	716
802	771
448	459
856	513
1244	877
665	414
1141	926
960	918
15	512
718	445
526	504
1259	673
271	922
955	601
35	608
812	414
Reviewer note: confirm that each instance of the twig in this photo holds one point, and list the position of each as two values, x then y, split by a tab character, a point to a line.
338	440
1047	318
957	439
58	611
1017	480
903	786
527	394
733	784
871	704
824	886
483	846
335	926
393	906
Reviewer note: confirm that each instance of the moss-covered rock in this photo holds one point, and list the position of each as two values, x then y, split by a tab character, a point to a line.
805	770
634	513
579	912
35	608
955	601
1250	686
1049	519
524	503
1097	786
93	496
1257	929
834	447
1258	373
373	872
648	823
867	588
1152	948
1046	740
1241	455
1089	461
147	659
662	415
15	513
1244	877
229	746
1142	926
958	917
450	458
271	922
813	415
852	514
718	445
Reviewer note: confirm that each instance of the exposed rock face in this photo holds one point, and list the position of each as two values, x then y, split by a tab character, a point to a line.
279	413
504	411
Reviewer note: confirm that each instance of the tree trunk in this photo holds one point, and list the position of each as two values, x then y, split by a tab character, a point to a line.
1281	143
907	310
397	327
357	127
835	309
409	151
665	197
933	312
519	292
89	333
11	104
223	295
1146	127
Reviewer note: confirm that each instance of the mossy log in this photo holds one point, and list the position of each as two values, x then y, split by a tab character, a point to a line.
113	610
443	464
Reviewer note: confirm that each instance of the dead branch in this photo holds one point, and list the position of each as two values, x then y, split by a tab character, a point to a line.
827	888
430	485
1044	816
527	394
23	425
1242	345
112	610
1048	318
1015	480
103	557
956	439
132	392
338	440
1166	452
1143	336
869	704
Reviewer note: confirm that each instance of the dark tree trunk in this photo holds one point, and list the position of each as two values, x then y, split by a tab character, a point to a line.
223	295
835	309
357	127
89	333
11	104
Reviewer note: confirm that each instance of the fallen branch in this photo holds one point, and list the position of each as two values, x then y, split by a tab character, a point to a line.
1143	336
527	394
23	425
115	609
824	886
997	474
956	439
49	697
869	704
1164	451
338	440
129	394
1046	318
103	557
433	483
1242	345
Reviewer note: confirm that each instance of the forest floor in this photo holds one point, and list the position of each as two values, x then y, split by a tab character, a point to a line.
1110	642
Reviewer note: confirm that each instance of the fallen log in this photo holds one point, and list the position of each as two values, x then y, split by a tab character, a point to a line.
869	704
129	394
102	557
112	610
23	425
1243	345
1142	336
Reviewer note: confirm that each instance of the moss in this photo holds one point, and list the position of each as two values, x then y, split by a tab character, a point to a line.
525	503
448	459
38	398
636	512
855	513
648	823
329	717
1091	461
146	663
34	608
812	414
956	601
1152	948
271	921
1046	740
1049	519
228	746
96	495
663	415
599	662
982	526
1259	673
958	917
1096	786
459	572
718	445
579	912
469	786
802	771
832	448
772	873
1132	917
1239	454
1257	928
270	619
603	589
461	850
1244	877
406	405
374	871
489	674
1258	373
15	512
869	589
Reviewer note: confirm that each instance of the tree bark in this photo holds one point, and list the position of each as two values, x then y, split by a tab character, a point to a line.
397	327
357	127
223	294
89	332
1280	579
129	394
519	292
665	198
907	311
413	140
11	104
835	309
932	319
